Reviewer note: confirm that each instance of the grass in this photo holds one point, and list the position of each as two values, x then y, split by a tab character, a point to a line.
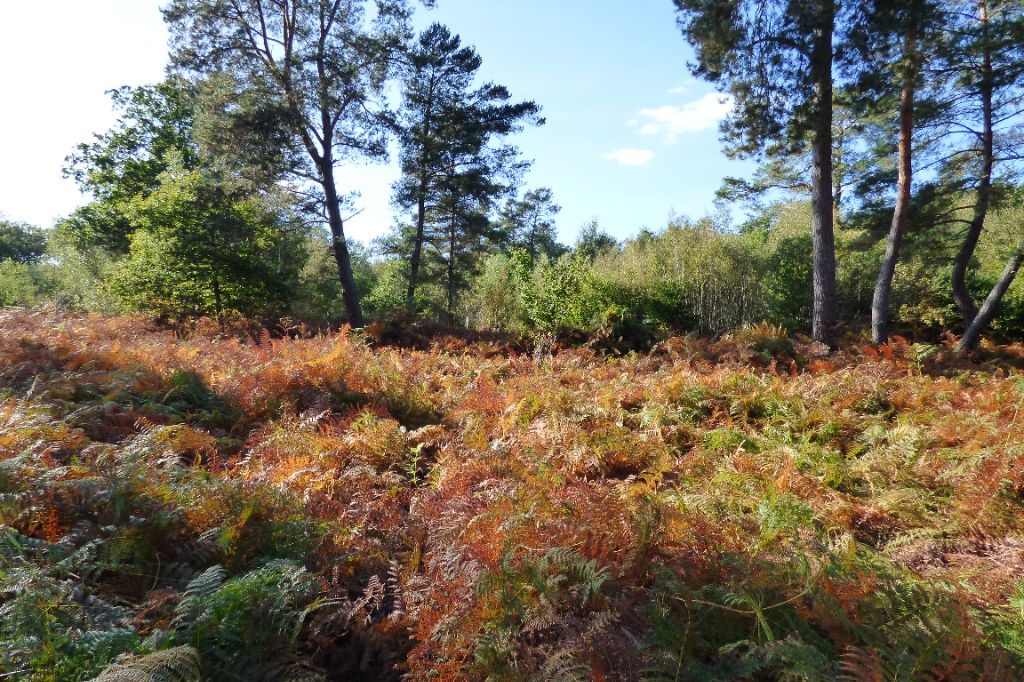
240	508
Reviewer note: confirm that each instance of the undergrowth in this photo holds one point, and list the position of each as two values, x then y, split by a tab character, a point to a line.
316	509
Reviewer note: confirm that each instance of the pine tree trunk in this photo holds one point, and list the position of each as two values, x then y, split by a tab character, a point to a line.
823	314
961	294
838	156
451	272
417	248
988	308
883	287
340	247
218	304
421	208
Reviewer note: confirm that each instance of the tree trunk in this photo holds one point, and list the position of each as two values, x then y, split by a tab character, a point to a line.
218	303
533	240
451	272
417	248
838	168
837	197
340	247
962	296
988	308
883	287
823	315
421	207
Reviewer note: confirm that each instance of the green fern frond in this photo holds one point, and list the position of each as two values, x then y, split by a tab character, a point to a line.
196	594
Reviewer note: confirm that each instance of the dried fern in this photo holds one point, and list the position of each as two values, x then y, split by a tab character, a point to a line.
179	664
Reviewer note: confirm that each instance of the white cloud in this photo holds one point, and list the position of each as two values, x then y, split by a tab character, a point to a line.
630	157
692	117
683	88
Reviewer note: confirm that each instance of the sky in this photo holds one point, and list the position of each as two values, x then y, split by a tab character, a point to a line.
630	136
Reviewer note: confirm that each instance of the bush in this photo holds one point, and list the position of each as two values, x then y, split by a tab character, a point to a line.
556	295
199	251
80	273
691	276
493	300
22	284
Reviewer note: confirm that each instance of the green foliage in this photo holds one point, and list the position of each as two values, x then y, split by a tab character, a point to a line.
689	276
51	628
592	241
555	294
786	280
247	624
317	295
20	242
530	223
80	274
549	594
493	301
178	664
153	133
24	281
201	252
22	284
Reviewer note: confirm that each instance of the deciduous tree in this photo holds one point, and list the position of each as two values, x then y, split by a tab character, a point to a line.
153	128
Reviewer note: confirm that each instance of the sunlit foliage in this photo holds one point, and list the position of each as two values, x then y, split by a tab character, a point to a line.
225	507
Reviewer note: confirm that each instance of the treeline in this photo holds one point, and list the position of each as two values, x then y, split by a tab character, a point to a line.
887	191
914	105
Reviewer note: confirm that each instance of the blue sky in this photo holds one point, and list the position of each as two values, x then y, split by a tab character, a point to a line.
630	136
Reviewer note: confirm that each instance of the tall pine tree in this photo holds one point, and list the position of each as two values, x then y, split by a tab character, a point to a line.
321	63
454	167
776	60
983	65
891	45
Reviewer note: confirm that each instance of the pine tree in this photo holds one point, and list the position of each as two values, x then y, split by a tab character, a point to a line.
892	43
321	63
453	169
983	62
776	61
529	223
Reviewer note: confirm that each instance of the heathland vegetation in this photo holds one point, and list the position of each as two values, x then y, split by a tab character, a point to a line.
778	442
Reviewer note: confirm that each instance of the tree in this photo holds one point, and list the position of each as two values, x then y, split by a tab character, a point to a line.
988	309
21	242
22	275
460	230
592	241
451	172
154	127
199	250
438	74
321	64
555	294
530	223
892	42
775	59
983	62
